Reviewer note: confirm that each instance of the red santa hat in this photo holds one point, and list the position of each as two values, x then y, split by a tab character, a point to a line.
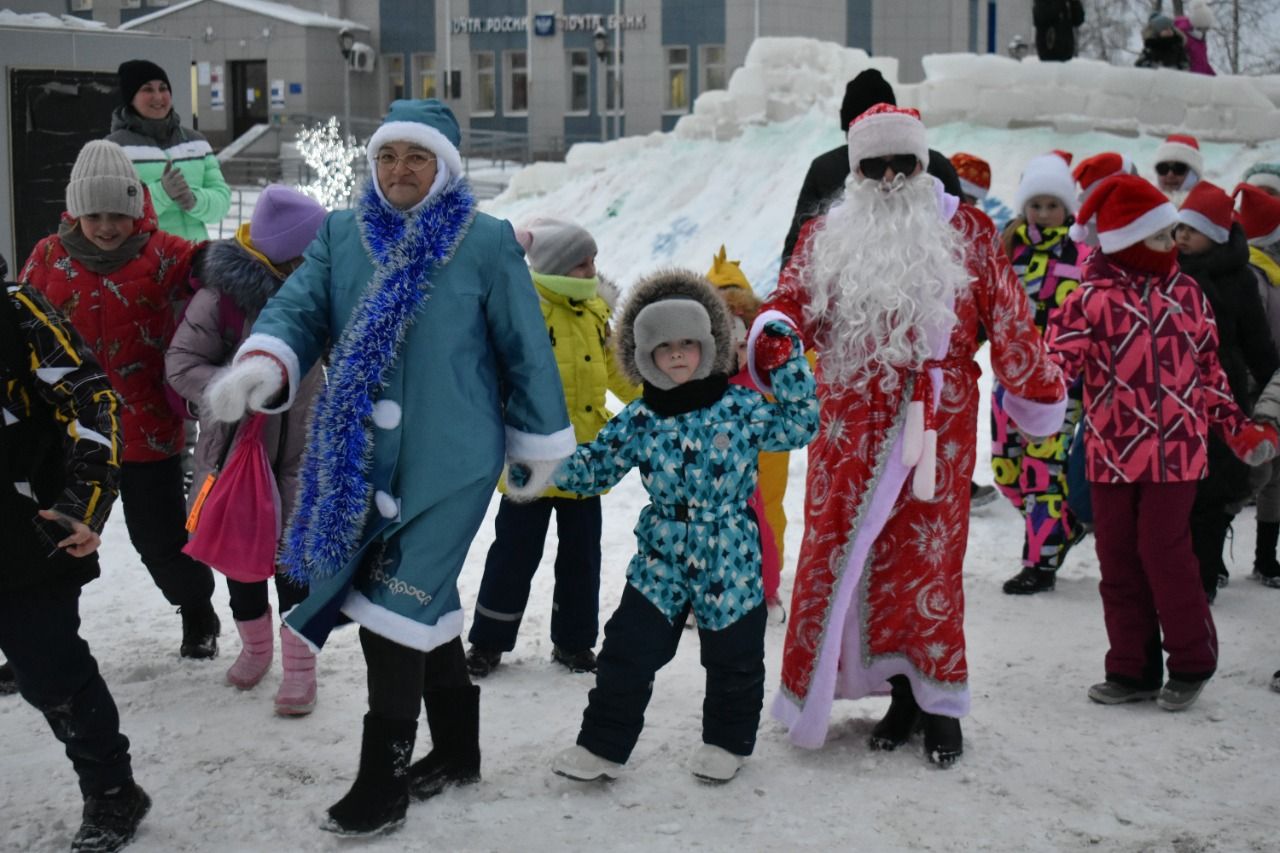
974	174
1181	148
885	129
1127	210
1048	175
1091	171
1207	208
1258	215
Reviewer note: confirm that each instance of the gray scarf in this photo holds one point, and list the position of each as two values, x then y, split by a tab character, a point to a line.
95	259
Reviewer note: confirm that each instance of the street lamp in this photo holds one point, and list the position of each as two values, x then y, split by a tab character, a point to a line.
601	42
346	41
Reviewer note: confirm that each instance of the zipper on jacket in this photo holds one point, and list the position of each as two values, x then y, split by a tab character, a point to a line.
1155	366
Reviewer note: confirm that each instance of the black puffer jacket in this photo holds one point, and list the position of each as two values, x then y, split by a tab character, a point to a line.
1055	22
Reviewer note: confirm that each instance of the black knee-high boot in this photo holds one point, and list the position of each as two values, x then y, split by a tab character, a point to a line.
453	715
901	718
379	797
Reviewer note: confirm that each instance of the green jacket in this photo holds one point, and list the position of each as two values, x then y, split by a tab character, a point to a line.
151	144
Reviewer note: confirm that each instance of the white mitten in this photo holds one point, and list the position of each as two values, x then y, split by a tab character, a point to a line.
531	478
247	385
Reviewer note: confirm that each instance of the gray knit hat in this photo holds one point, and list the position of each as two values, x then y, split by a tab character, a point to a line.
554	246
103	180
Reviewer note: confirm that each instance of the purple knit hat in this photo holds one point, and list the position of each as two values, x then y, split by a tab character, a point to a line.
284	223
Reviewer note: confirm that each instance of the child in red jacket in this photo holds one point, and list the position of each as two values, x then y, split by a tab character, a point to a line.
1142	335
121	283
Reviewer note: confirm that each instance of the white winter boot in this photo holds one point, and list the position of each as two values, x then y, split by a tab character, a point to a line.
580	763
714	764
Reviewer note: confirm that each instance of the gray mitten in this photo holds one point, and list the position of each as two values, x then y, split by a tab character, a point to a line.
175	186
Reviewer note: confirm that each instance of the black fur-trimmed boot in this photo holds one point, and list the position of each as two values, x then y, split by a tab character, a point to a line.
943	742
900	721
379	797
453	715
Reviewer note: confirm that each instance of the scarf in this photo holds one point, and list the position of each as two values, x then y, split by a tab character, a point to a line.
93	258
573	289
691	396
406	247
1045	259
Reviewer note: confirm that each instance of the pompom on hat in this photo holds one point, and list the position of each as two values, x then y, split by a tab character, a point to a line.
1126	209
284	223
974	174
1181	148
1207	208
884	130
554	246
1048	175
1258	214
104	180
1091	171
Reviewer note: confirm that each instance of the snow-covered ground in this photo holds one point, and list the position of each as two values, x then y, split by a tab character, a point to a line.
1044	768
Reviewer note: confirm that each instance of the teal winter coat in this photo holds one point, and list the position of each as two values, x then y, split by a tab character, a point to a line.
474	382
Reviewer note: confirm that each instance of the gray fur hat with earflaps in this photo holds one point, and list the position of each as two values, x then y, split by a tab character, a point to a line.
673	304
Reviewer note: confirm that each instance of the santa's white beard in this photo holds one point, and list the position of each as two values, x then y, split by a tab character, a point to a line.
882	270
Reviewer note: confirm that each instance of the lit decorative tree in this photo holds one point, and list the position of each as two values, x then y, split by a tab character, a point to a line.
330	159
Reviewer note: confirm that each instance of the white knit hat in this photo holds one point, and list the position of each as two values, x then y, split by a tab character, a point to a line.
103	180
554	246
1049	175
885	129
1181	148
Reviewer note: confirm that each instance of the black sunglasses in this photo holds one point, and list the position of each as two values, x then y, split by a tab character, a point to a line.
1177	168
874	168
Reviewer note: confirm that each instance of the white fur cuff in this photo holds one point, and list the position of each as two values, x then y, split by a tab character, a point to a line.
540	473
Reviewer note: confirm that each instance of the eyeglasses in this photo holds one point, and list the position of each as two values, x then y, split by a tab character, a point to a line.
1178	169
414	161
875	167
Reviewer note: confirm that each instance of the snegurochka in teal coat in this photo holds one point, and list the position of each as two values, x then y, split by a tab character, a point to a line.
439	369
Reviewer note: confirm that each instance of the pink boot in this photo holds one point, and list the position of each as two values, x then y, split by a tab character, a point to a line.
256	642
297	693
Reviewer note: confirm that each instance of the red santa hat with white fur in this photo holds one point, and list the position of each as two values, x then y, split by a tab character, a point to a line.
884	130
1181	148
1092	171
1258	215
1207	208
1127	209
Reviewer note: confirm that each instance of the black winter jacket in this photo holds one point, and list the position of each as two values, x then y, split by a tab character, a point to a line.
59	443
1055	22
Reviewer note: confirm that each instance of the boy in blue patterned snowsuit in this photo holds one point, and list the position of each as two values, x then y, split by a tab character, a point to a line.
695	439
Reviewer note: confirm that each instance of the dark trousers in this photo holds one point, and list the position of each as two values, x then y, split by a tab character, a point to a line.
399	675
520	531
638	641
249	600
56	673
156	518
1151	584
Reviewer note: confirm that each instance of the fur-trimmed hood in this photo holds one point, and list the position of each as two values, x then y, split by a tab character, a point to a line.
674	284
229	269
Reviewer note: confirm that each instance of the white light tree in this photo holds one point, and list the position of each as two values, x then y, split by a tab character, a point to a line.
330	158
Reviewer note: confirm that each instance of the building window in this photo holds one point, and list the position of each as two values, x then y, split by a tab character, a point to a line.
482	72
394	63
424	75
677	96
712	71
517	82
611	76
579	81
81	5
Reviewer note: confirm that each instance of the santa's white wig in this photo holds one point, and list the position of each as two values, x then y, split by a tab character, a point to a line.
882	270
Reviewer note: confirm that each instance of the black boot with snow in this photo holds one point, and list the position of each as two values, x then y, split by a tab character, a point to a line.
943	742
1030	581
900	720
379	797
8	681
111	819
1266	569
200	627
453	715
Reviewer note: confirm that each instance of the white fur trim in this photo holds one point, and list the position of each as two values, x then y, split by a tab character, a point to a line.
1265	179
388	506
401	629
1152	222
534	447
386	414
757	329
887	133
1204	225
1177	152
973	189
1266	239
245	386
1047	174
420	134
540	474
281	350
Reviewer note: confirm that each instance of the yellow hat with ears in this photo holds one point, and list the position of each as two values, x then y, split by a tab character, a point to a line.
727	273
